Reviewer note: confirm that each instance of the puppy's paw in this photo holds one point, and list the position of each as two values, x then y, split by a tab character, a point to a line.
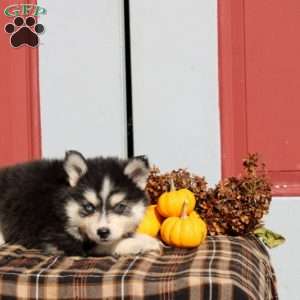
137	244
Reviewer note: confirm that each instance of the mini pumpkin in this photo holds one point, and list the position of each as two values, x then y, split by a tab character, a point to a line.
185	231
170	203
151	222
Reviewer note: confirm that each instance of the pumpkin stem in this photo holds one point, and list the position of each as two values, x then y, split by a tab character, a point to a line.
172	185
184	209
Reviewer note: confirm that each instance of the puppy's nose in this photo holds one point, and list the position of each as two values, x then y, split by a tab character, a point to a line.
103	232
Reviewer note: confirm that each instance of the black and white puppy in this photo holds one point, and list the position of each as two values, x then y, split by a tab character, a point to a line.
61	206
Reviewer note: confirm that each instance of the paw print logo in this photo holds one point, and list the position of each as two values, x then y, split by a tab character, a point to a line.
24	32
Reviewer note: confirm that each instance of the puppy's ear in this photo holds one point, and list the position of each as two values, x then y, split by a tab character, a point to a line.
75	166
137	169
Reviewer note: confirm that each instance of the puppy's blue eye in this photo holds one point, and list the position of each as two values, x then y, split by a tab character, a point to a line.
89	208
120	208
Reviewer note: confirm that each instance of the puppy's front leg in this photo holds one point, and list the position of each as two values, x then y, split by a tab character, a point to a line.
139	243
61	244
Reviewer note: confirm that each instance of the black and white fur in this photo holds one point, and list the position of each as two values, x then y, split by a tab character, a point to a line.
76	206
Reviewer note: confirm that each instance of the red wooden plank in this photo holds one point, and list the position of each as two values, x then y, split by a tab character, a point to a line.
259	87
19	99
232	85
273	72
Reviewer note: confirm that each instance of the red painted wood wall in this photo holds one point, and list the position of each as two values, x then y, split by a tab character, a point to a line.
259	49
19	98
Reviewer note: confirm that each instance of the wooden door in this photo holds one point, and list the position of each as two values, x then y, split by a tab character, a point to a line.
259	50
19	98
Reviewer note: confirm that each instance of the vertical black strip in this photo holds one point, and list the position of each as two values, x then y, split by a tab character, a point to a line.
130	137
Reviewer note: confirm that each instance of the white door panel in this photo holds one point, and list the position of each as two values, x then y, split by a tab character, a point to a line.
82	77
175	84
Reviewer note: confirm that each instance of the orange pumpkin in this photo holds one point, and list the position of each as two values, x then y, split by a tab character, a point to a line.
170	203
185	231
151	222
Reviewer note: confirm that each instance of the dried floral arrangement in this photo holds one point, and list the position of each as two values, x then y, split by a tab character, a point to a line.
234	207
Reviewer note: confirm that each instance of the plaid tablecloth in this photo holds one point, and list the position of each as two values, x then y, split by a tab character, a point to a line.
231	268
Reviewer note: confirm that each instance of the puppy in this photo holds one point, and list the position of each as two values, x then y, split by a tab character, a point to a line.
76	206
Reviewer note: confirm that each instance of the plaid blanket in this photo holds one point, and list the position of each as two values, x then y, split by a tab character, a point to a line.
230	268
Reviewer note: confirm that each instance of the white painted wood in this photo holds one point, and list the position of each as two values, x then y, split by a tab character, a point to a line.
82	77
175	86
284	219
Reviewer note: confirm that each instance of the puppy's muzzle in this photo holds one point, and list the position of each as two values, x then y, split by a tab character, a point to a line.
103	233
